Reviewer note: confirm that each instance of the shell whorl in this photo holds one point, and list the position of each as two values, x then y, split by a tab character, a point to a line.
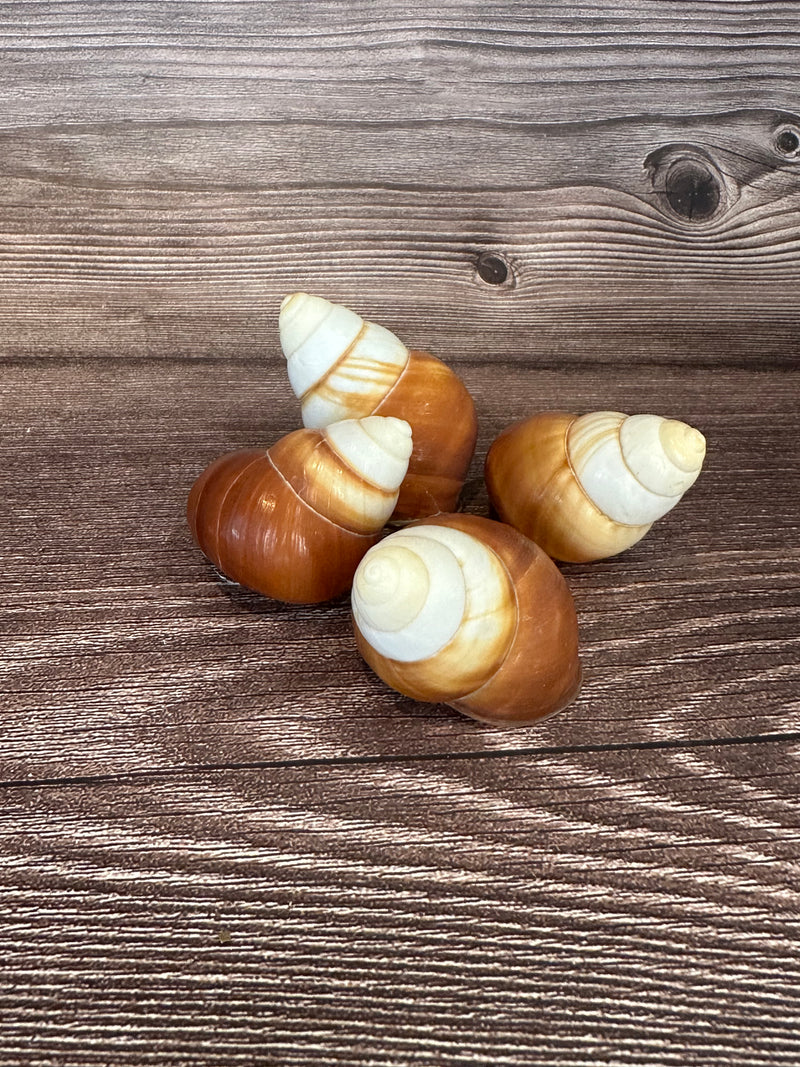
429	593
468	611
293	521
634	468
339	365
350	472
589	487
377	448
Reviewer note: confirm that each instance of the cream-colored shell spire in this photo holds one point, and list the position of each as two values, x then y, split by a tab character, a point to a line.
377	447
376	450
425	590
339	365
634	468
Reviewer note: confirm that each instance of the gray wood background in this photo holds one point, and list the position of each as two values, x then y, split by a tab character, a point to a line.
224	841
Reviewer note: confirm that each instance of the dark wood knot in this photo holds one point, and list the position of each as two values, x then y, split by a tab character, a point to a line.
787	142
692	190
690	185
492	268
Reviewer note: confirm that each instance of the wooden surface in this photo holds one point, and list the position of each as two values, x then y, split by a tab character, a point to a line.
224	841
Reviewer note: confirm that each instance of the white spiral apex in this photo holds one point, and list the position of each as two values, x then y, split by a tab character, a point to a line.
377	448
339	365
427	587
359	475
634	468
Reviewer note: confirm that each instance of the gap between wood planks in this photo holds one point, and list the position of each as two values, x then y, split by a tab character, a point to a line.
425	757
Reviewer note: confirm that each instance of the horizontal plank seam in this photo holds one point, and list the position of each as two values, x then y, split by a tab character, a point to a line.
428	757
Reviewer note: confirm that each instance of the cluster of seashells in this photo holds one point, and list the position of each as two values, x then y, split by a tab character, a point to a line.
449	607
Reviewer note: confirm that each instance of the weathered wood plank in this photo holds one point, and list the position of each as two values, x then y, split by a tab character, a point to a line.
585	908
114	60
182	239
123	651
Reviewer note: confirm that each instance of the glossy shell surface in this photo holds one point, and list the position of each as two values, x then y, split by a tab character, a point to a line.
588	487
293	521
466	611
342	366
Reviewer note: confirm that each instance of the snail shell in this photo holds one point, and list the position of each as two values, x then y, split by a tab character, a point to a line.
341	367
590	486
293	521
467	611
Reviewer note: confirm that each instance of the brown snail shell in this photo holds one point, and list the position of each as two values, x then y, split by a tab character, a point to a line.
467	611
587	487
341	366
293	521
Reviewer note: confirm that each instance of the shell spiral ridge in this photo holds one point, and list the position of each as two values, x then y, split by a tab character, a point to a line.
634	468
292	522
589	487
342	366
488	625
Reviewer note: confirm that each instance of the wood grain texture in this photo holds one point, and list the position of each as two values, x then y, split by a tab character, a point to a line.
125	651
397	59
222	840
182	239
586	908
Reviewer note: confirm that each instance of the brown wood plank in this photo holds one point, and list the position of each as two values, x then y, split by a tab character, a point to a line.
124	651
460	57
584	908
181	239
